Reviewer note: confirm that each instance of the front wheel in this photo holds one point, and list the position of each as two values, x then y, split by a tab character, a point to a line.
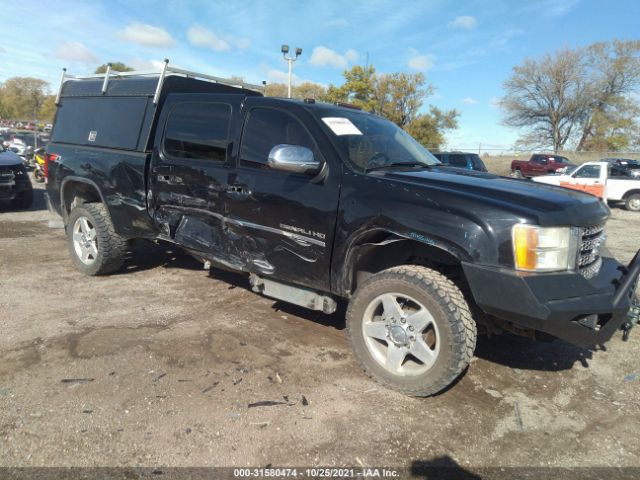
411	330
632	202
96	249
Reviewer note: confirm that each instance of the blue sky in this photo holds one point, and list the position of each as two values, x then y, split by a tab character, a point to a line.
465	48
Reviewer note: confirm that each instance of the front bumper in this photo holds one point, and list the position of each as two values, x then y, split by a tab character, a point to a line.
566	305
10	189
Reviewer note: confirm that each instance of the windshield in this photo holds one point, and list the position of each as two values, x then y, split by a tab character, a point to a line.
371	142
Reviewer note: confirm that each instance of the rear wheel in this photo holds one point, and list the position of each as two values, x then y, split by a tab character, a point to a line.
518	173
96	249
632	202
411	330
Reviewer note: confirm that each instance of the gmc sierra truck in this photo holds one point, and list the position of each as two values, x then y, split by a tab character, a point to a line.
318	203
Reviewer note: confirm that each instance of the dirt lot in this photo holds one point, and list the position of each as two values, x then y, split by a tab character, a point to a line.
158	365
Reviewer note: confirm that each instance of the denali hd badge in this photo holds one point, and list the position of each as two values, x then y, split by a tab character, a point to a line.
92	135
303	231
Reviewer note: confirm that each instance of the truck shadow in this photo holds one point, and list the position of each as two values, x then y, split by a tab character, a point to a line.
144	255
528	354
38	203
442	468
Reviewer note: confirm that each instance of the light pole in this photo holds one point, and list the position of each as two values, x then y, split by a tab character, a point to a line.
290	60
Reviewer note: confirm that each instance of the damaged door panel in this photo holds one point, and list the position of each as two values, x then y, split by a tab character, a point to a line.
283	223
190	173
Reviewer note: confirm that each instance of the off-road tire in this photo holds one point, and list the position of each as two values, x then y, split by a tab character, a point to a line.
450	311
631	202
111	246
23	200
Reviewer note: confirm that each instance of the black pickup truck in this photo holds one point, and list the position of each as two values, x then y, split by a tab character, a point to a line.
318	204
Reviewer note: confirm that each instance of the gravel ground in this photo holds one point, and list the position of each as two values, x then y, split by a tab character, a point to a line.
158	366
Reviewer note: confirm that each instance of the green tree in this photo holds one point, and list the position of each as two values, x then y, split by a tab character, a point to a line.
358	88
301	91
115	66
22	98
429	128
398	97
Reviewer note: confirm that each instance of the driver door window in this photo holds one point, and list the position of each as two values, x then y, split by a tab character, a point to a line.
264	129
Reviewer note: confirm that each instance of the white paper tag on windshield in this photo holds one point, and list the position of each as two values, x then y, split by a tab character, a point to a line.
341	126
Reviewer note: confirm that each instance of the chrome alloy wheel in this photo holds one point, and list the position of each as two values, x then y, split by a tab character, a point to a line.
401	334
84	240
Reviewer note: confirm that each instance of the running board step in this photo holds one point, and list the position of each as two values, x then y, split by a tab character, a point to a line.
296	295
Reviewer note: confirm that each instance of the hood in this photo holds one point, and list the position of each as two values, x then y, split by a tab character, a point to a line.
9	159
544	204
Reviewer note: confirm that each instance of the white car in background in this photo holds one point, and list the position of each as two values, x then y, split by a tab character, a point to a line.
598	178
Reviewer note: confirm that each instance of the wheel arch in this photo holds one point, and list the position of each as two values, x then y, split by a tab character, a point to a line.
75	190
378	249
628	193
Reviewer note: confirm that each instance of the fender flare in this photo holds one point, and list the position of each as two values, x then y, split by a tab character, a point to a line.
73	178
345	277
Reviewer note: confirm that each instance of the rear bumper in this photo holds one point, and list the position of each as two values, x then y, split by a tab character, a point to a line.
559	304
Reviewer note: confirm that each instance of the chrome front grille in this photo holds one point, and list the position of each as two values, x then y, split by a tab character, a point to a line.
589	261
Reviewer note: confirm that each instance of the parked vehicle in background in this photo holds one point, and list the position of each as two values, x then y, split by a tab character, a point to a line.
15	185
38	170
602	179
315	203
469	161
48	127
539	164
632	167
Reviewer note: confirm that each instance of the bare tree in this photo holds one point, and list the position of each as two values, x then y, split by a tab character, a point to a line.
580	97
614	70
548	97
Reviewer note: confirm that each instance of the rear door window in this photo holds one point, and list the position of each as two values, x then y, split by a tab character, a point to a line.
197	130
458	161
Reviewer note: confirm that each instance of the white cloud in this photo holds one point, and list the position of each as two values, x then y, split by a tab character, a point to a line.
556	8
351	55
325	57
279	76
146	65
338	22
421	62
216	41
495	102
75	52
2	49
469	101
147	35
465	22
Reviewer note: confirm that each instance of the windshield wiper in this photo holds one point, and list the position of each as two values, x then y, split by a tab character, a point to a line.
399	164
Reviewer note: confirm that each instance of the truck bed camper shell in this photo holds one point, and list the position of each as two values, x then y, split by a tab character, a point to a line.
119	109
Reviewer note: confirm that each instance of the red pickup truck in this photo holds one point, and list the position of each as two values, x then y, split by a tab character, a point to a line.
539	164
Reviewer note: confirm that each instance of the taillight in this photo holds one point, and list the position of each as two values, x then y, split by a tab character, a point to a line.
48	157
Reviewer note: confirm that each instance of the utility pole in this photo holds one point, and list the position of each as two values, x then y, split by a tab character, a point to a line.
285	49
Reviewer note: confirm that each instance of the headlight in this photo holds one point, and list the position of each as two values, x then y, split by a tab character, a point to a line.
544	249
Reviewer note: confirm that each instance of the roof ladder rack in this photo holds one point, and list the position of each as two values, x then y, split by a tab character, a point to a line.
164	72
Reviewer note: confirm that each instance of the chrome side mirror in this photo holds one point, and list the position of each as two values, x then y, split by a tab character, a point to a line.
293	158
